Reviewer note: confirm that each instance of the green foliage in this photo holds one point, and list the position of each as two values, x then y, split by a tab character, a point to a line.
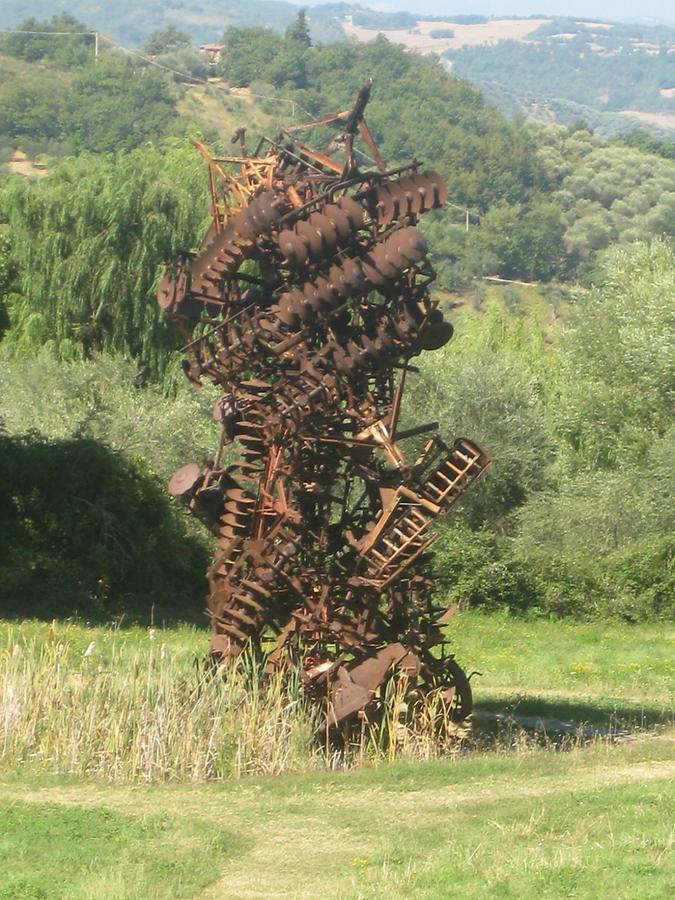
57	47
601	538
104	108
31	108
618	355
186	64
298	31
84	530
85	521
113	108
482	385
88	241
166	40
7	275
467	19
247	53
102	399
525	242
481	570
640	140
615	194
476	569
570	518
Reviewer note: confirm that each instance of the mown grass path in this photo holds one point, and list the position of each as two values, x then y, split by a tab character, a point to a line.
589	823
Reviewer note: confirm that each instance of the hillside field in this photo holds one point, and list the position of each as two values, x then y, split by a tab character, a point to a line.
421	39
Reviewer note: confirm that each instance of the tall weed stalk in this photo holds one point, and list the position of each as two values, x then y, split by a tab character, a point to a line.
151	716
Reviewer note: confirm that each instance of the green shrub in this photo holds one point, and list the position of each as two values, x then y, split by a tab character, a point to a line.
85	531
481	569
478	569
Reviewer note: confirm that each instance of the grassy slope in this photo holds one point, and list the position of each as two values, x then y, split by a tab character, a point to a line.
543	304
590	823
213	107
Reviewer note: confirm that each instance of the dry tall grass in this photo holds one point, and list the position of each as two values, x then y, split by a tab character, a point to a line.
154	715
145	718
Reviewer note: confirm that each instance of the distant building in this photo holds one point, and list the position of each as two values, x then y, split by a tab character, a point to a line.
213	51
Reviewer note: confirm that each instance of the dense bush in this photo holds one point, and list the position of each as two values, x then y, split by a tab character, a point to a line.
85	523
54	44
574	516
480	569
106	108
84	530
482	386
103	400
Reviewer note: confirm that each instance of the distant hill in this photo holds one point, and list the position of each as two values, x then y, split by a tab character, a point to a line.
131	21
615	77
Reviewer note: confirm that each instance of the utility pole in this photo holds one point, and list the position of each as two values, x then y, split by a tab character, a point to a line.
96	46
467	220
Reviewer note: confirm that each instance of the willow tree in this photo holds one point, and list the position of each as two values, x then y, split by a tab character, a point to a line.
89	241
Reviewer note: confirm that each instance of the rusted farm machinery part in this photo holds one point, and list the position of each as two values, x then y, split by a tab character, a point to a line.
305	306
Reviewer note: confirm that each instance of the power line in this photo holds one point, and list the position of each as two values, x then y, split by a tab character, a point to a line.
47	33
294	104
152	62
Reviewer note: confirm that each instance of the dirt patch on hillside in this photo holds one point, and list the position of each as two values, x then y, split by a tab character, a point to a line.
19	164
664	120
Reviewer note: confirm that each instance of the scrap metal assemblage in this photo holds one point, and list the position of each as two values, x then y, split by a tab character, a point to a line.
305	305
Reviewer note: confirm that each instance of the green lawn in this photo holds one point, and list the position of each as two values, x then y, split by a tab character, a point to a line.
589	823
604	674
515	821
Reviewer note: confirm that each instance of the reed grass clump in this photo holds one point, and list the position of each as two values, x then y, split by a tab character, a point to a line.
148	716
147	710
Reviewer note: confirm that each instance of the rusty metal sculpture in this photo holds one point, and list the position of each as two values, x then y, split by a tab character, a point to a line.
305	306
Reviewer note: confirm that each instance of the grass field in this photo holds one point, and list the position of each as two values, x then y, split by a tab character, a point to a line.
589	823
505	815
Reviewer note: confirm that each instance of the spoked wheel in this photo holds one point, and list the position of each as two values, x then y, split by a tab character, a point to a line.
456	696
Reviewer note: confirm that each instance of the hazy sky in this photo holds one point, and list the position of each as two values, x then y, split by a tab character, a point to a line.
663	10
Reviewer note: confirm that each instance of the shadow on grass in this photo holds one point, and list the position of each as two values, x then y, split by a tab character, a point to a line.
569	717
